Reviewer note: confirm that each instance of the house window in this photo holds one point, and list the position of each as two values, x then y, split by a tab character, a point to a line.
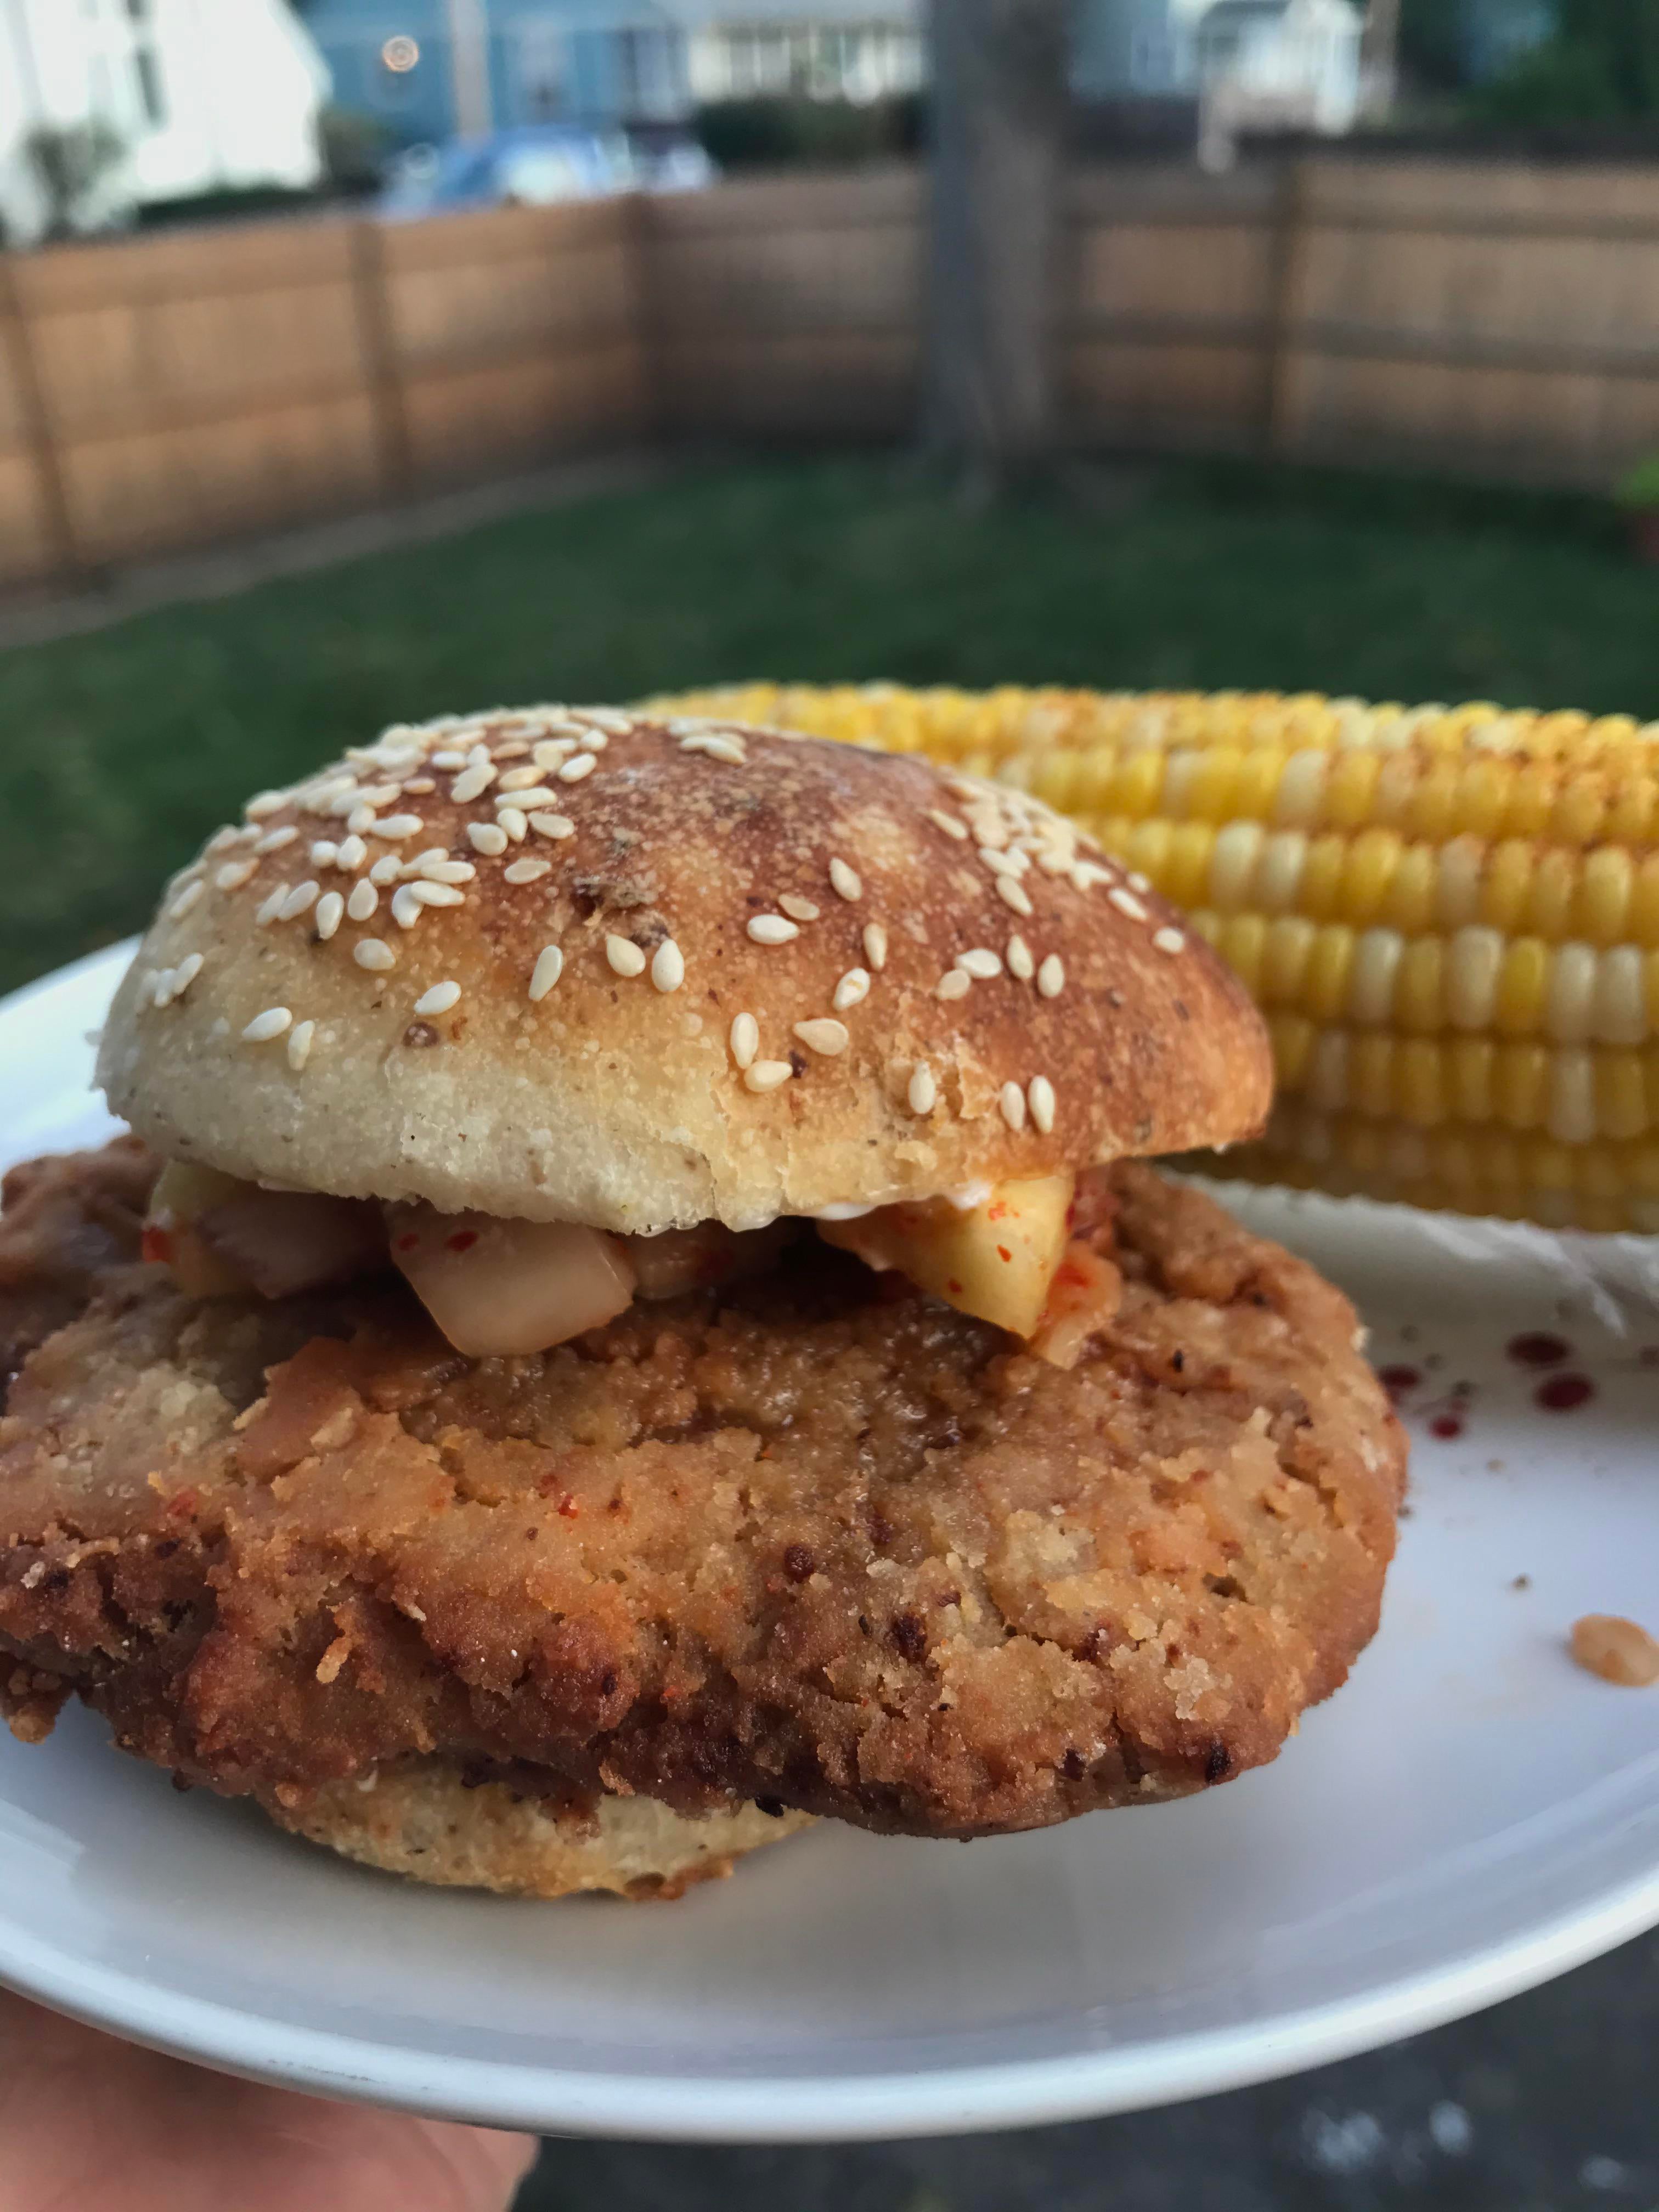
152	91
540	75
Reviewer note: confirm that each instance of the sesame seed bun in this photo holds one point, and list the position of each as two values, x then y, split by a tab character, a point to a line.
425	1821
643	974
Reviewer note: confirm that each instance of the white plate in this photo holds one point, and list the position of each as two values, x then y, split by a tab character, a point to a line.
1470	1815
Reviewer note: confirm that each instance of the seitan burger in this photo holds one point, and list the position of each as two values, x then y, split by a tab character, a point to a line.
630	1319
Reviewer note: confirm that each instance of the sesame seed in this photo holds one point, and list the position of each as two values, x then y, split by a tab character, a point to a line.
1020	962
625	956
526	870
397	827
772	929
668	966
1169	940
359	818
420	786
1039	1094
1014	895
578	766
1011	1099
1085	874
845	881
269	907
514	822
363	901
406	908
472	783
875	946
351	855
521	779
387	870
439	999
512	748
330	911
557	826
1002	863
221	840
264	802
187	899
269	1024
766	1075
949	823
235	874
1127	902
299	900
324	853
955	983
607	717
438	868
550	966
552	751
800	909
822	1035
922	1091
299	1044
485	837
375	953
851	990
449	758
718	747
382	795
1136	882
1051	976
745	1040
981	963
185	974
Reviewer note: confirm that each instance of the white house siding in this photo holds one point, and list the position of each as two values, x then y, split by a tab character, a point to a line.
200	93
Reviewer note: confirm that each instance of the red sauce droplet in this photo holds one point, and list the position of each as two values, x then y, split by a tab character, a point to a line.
1563	1394
1447	1425
462	1241
155	1245
407	1244
1537	1349
1002	1252
1396	1381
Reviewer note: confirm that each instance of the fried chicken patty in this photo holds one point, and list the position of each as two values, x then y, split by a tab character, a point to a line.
817	1540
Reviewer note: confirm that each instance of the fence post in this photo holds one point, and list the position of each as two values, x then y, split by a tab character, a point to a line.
393	453
1287	245
68	561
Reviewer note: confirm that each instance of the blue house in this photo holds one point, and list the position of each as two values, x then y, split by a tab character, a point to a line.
581	61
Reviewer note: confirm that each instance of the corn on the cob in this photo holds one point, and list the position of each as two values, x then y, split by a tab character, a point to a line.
1450	915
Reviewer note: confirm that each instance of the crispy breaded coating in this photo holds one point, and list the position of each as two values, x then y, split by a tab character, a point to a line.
817	1540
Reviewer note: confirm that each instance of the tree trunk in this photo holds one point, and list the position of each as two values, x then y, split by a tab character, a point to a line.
998	119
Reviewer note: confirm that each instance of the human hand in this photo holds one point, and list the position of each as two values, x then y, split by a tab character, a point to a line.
100	2126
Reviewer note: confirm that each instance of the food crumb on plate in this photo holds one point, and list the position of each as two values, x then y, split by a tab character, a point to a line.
1617	1651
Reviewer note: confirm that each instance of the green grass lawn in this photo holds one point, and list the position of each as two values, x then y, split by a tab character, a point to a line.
122	749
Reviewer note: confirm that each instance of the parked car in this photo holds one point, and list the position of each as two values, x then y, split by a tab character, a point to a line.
537	166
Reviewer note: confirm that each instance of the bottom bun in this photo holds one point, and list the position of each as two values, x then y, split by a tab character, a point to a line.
424	1821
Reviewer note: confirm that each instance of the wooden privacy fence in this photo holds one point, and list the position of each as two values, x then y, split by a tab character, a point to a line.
168	392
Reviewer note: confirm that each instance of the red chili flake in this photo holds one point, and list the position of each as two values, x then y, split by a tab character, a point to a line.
1563	1394
1447	1425
1002	1252
1537	1348
156	1244
568	1507
407	1244
1396	1381
954	1287
462	1241
183	1505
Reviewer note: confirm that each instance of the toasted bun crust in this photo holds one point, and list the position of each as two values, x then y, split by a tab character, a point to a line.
1087	1025
422	1821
